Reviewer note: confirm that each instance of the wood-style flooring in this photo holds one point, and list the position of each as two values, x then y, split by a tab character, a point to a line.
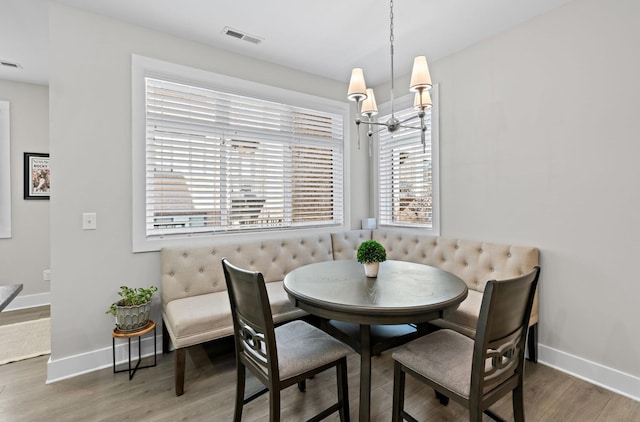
21	315
550	395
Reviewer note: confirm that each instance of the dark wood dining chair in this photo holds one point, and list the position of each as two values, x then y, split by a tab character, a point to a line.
475	373
282	356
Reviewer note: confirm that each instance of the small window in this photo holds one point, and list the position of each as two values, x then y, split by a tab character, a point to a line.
408	171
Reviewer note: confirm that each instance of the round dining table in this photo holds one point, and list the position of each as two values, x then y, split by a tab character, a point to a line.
402	293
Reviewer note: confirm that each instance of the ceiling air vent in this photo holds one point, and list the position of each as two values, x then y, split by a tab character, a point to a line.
242	35
5	63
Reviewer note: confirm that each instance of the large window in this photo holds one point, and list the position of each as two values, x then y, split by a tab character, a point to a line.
220	161
5	172
408	171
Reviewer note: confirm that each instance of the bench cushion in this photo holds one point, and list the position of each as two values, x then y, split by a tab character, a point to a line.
196	319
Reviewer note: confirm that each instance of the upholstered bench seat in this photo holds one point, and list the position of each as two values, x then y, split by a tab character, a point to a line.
195	304
196	319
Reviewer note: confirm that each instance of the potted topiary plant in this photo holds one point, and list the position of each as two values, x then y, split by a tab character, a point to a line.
133	309
371	253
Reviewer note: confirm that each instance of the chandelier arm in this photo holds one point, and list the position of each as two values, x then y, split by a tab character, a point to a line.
381	129
411	127
407	119
377	124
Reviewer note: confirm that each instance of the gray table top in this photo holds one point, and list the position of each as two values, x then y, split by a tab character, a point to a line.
403	291
8	293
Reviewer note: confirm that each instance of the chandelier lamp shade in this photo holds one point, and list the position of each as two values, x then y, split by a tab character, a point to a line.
366	102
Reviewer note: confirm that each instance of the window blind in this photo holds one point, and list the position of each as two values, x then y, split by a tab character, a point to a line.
405	177
220	162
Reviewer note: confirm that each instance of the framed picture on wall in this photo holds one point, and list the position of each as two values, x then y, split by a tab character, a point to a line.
37	176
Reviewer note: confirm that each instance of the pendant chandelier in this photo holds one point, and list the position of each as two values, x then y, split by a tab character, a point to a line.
366	101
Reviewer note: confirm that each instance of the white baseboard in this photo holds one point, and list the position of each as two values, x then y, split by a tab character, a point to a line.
29	301
609	378
72	366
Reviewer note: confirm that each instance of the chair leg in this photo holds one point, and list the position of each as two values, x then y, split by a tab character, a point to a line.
274	405
444	400
181	355
240	379
518	403
475	415
398	392
343	389
532	343
165	339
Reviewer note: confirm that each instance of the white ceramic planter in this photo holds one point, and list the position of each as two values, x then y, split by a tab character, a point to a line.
371	269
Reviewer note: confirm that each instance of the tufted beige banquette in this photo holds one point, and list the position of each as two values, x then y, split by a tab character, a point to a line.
195	305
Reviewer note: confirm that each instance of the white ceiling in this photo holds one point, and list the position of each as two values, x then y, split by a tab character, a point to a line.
323	37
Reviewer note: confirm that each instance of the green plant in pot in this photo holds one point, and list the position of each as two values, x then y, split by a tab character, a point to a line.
371	253
133	309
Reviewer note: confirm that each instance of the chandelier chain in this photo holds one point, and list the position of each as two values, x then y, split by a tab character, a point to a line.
391	39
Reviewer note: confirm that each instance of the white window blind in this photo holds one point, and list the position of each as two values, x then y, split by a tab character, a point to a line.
406	174
220	162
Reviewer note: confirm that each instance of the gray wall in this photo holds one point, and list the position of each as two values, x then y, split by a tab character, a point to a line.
90	95
25	255
539	146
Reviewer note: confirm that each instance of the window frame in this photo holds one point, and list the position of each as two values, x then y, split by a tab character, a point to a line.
143	67
404	103
5	170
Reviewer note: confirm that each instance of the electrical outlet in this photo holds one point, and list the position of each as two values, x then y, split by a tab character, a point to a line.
46	275
89	221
